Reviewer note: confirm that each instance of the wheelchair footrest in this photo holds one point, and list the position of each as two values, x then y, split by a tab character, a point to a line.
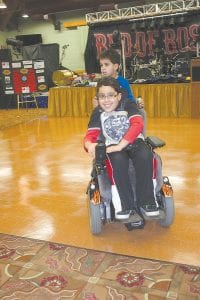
133	218
160	216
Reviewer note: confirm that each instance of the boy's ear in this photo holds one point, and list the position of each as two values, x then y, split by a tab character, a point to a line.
116	66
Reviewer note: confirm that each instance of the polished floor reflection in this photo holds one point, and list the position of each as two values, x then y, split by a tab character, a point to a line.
43	177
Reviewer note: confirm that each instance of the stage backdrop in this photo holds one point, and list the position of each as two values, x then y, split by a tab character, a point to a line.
156	38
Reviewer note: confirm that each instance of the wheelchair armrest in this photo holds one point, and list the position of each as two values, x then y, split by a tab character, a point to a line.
155	142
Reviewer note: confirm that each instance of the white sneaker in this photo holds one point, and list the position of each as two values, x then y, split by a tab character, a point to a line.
124	214
150	210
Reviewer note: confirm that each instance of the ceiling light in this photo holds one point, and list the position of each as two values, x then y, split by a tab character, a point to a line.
182	19
162	22
2	4
25	15
143	25
152	24
172	21
133	27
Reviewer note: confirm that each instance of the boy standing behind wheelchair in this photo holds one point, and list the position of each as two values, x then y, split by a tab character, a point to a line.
110	64
118	123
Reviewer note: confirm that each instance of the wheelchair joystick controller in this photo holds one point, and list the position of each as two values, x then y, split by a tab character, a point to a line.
100	157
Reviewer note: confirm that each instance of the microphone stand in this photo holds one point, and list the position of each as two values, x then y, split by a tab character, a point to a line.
198	48
123	58
62	57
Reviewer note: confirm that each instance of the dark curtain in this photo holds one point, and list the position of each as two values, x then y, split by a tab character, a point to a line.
6	101
47	52
94	45
91	62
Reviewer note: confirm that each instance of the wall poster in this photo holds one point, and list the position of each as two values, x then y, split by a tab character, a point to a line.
23	77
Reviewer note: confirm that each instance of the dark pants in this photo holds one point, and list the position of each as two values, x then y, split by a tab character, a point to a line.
142	159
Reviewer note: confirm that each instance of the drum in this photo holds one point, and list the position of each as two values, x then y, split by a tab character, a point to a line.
144	73
153	61
62	77
182	67
129	74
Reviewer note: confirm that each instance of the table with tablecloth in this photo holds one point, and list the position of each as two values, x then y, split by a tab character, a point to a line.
70	101
161	100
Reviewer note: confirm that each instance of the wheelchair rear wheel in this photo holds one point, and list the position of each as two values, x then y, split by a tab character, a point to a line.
95	218
168	206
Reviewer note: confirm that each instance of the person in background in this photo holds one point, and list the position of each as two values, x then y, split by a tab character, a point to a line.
116	122
110	64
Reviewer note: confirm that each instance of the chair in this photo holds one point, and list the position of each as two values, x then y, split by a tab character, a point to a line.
26	98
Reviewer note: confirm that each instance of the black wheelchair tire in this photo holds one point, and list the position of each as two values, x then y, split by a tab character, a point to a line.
168	204
95	218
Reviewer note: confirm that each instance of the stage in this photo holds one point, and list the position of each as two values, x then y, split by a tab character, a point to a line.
165	100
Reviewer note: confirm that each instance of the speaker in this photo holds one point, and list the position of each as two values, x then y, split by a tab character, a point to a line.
5	55
195	70
6	101
196	74
195	87
57	25
30	39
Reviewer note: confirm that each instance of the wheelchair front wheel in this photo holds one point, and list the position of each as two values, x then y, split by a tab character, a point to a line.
95	218
168	206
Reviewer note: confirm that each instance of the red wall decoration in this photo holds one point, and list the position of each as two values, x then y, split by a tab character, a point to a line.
24	81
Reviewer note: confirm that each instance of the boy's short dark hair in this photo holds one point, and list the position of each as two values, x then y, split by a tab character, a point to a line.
109	81
112	55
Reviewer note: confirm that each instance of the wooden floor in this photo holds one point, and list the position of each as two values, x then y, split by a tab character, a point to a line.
43	177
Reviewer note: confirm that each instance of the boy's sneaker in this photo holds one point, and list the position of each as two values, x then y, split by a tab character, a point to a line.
150	210
124	214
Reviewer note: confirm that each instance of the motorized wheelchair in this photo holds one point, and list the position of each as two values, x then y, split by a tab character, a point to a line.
101	209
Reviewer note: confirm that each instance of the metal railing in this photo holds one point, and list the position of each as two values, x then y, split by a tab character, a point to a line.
138	12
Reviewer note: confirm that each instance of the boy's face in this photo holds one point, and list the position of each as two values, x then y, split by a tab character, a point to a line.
108	98
108	68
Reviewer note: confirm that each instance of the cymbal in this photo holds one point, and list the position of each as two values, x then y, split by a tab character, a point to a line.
136	52
157	50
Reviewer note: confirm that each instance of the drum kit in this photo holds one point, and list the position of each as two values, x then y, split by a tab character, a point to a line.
158	68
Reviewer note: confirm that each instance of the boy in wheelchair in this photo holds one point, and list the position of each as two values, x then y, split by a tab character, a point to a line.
118	124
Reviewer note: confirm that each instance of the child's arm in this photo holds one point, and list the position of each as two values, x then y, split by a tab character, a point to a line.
136	127
90	140
124	84
90	148
122	144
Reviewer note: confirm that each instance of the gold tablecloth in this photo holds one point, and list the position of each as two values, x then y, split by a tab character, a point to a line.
161	100
70	101
165	100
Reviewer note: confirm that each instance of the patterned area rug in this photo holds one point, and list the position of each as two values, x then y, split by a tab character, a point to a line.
40	270
11	117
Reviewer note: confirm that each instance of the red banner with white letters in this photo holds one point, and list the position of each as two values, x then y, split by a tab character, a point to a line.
177	41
